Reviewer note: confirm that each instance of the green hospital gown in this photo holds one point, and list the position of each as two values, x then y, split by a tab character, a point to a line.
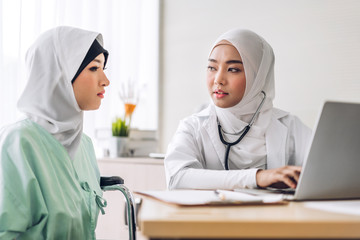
43	193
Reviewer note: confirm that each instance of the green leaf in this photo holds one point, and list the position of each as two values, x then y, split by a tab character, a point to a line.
119	128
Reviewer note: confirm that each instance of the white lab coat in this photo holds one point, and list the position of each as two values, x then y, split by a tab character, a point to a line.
195	156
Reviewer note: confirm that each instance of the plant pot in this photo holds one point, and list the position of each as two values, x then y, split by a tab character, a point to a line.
118	147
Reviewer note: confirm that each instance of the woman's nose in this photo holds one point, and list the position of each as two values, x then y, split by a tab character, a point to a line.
105	81
219	78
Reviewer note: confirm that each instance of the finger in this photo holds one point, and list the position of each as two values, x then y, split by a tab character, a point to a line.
292	173
289	181
294	168
296	176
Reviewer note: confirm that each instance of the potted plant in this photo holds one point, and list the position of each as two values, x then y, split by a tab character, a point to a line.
120	133
121	126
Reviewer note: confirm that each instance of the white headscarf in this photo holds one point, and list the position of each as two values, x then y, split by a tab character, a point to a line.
258	60
48	98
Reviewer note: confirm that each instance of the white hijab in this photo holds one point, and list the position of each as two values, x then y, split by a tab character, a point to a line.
258	60
48	98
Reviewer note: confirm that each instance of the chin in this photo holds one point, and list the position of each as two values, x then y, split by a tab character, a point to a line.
96	108
92	108
221	105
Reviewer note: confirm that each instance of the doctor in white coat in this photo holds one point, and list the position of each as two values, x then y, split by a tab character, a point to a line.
240	140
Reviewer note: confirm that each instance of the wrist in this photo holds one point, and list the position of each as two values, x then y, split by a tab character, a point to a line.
258	178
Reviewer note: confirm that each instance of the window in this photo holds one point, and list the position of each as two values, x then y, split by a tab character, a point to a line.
130	30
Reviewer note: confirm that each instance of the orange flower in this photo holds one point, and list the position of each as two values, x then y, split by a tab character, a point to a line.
129	109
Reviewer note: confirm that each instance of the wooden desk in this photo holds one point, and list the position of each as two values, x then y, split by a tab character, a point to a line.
162	221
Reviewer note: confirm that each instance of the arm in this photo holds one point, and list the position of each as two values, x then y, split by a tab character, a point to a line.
17	188
13	218
192	163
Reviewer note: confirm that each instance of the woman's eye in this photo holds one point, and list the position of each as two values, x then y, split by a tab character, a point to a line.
94	69
234	70
210	68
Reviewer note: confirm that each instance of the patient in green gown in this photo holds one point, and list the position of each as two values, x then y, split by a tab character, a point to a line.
49	178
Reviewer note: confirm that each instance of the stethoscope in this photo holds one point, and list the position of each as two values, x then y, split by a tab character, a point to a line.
243	132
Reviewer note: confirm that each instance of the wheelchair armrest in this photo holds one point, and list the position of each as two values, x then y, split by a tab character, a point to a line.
117	183
109	181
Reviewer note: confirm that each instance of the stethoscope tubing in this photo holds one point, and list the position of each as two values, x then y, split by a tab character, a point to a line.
243	133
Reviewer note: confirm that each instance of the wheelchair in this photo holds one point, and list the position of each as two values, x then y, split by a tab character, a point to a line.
115	183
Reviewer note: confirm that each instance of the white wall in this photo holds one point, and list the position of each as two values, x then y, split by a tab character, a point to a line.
316	45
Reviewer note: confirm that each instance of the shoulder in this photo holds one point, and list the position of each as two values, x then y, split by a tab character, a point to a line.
280	114
194	124
284	116
289	120
196	120
20	131
27	140
19	144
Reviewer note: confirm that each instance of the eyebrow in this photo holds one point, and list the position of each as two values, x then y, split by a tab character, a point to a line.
97	60
227	62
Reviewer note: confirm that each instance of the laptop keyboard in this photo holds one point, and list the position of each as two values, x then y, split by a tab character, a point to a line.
283	191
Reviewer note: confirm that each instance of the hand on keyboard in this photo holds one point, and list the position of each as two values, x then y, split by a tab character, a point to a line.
283	177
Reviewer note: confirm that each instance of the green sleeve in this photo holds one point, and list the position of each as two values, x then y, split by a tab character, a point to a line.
20	196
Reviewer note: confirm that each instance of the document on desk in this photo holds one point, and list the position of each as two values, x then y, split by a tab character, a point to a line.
351	207
210	197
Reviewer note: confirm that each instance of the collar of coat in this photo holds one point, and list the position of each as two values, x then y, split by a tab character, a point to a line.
276	136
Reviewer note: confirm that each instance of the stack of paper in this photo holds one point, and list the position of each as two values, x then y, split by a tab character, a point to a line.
207	197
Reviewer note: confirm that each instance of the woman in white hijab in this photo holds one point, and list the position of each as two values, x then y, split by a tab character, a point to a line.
49	179
240	140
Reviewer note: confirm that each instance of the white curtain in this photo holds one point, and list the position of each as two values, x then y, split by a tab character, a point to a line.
130	30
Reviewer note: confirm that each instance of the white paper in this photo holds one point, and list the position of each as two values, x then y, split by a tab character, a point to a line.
203	197
344	206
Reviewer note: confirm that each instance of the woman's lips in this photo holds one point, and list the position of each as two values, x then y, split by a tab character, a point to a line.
220	93
101	94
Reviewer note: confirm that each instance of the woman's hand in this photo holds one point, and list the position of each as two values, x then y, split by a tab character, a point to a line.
283	177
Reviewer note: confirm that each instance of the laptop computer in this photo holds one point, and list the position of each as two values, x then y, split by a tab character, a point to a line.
331	169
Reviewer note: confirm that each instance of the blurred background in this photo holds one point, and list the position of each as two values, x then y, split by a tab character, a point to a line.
161	46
